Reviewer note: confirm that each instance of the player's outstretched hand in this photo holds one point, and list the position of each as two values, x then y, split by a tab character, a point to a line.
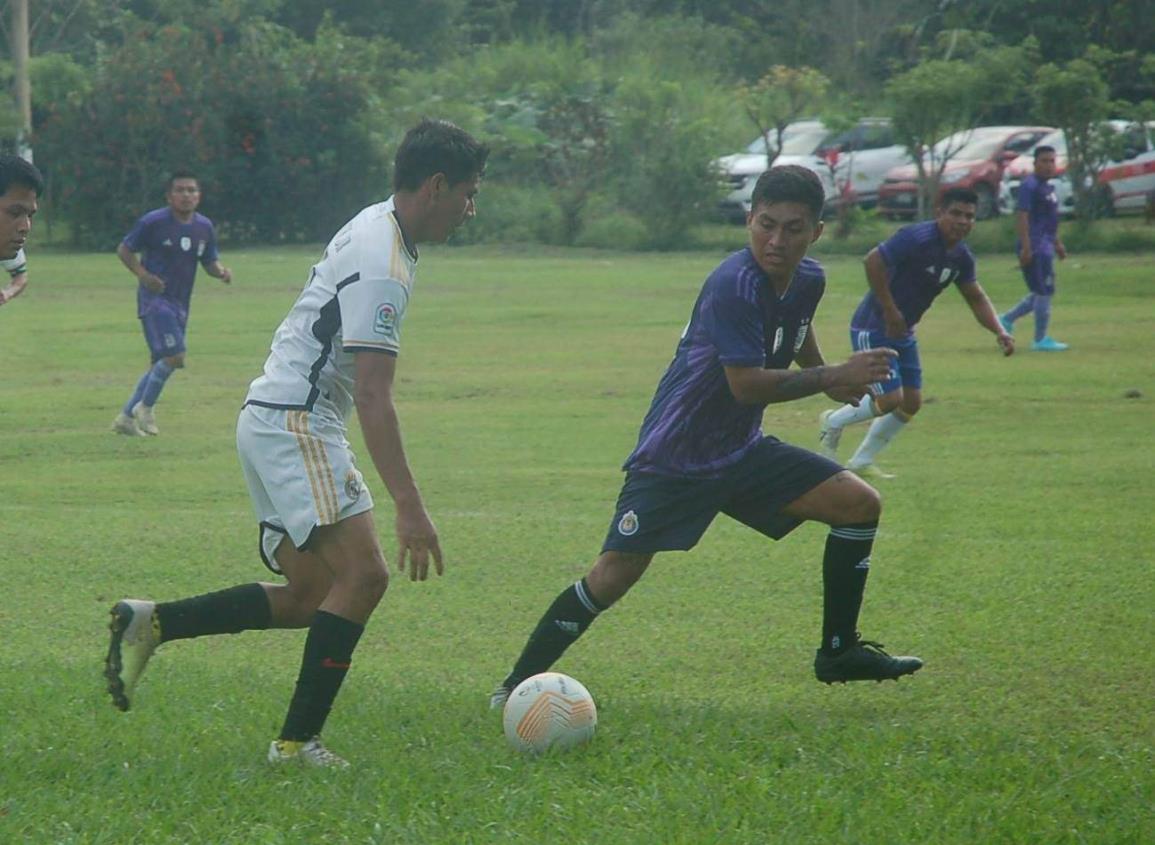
1006	343
867	366
417	539
226	276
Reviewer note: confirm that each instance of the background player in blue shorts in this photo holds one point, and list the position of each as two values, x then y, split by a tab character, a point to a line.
701	451
173	240
20	187
905	274
1037	222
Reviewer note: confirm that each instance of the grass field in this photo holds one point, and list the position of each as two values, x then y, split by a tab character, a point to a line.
1015	557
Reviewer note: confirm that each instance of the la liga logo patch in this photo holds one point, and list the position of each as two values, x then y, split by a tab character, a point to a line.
386	321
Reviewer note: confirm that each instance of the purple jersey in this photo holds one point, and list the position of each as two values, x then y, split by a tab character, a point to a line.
920	268
695	426
171	252
1037	198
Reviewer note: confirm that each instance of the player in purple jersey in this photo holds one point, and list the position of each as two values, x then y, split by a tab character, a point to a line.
173	240
906	273
701	451
20	187
1037	222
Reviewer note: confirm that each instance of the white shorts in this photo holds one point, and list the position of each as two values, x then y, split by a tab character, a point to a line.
300	472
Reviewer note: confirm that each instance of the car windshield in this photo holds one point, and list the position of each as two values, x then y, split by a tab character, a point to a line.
796	142
1056	139
971	144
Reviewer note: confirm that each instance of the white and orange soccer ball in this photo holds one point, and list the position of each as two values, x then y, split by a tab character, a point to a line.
550	710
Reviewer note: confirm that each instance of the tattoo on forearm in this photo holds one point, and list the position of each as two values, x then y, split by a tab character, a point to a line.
796	384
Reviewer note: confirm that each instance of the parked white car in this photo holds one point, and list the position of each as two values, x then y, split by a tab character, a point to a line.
1126	182
866	152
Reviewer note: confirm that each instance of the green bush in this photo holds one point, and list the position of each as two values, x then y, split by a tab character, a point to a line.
513	214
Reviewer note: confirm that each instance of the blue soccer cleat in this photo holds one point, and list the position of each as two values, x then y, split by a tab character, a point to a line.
1049	344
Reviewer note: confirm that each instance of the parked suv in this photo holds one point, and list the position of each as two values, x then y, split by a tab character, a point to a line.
981	155
866	153
1125	182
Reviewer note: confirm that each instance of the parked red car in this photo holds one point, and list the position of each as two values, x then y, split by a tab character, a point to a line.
979	156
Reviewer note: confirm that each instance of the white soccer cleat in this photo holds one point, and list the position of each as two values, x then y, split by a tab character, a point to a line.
134	639
828	436
312	753
145	420
126	425
498	697
871	472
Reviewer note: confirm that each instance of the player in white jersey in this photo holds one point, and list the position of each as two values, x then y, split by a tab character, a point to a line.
20	187
336	350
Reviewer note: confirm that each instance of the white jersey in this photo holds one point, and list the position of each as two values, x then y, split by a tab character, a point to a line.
15	266
355	299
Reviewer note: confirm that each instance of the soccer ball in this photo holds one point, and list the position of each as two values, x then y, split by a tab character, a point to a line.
550	710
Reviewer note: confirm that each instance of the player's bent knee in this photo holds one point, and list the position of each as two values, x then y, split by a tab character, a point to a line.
887	402
175	361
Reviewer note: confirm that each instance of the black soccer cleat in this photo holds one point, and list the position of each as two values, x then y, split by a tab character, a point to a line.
863	661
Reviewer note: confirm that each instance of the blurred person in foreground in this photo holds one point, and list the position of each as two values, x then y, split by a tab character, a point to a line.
20	188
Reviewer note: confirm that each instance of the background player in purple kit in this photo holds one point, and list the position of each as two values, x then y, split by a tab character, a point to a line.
1037	222
173	240
701	451
906	273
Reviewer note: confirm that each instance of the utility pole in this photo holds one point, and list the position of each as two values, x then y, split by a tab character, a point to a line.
20	53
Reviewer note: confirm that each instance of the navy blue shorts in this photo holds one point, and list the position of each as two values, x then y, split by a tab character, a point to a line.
906	372
658	513
1040	274
164	328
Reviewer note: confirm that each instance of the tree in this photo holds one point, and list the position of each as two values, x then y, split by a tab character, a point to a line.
936	101
1074	98
780	97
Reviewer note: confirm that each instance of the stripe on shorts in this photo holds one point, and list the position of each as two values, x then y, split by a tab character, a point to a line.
316	466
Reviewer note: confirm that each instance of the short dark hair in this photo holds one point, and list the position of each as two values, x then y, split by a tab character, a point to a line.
958	195
437	146
180	174
790	183
1043	149
16	171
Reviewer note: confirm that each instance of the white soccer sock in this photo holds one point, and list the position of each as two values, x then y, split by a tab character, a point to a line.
882	431
850	414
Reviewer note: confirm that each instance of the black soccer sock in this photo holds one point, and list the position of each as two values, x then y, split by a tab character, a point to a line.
844	570
241	608
571	613
328	653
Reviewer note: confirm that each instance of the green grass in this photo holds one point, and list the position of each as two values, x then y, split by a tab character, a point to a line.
1015	557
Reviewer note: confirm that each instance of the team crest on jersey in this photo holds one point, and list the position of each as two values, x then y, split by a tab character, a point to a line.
778	335
628	524
353	484
386	319
802	330
186	243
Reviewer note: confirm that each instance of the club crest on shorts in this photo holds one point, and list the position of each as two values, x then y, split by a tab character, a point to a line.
628	524
353	484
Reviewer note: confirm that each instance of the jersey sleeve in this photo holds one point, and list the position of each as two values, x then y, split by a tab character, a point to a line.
1023	200
371	314
734	326
897	247
967	273
211	253
137	239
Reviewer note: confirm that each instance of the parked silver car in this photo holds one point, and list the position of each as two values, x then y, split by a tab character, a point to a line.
865	153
